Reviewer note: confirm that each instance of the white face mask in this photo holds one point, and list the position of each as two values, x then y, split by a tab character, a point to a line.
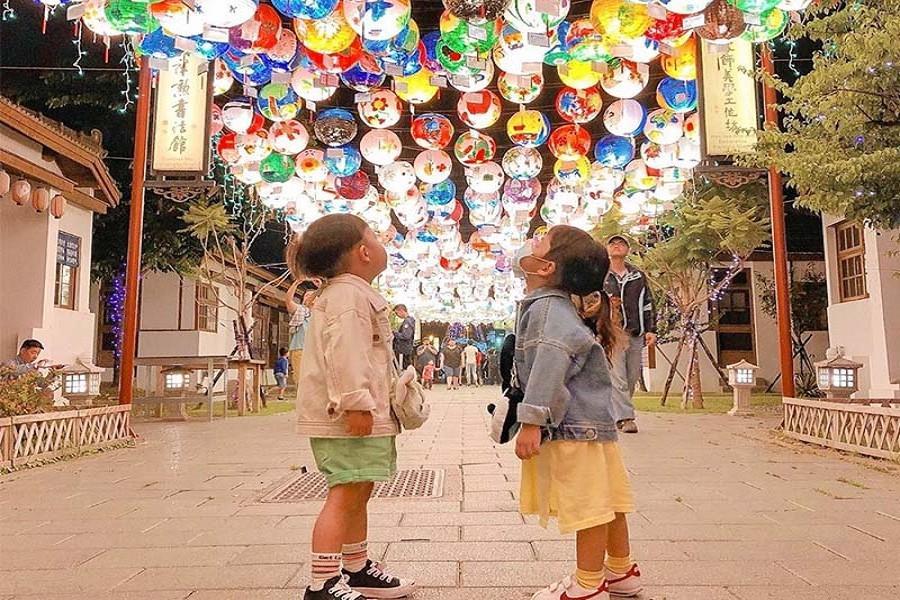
524	252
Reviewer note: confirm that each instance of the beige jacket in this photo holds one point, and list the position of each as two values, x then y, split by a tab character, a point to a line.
346	360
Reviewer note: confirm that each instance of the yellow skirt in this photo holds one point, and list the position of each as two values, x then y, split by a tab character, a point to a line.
582	484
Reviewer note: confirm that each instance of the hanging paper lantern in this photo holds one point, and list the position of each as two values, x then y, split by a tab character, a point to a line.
380	146
578	106
397	176
569	142
667	29
159	45
625	117
477	80
521	162
578	74
685	7
222	79
520	89
365	75
335	127
353	187
177	18
519	192
438	194
416	89
657	156
310	166
793	5
755	7
327	35
625	81
276	168
773	24
226	13
58	206
433	166
663	126
94	18
607	179
5	183
676	95
485	178
430	41
237	114
619	20
559	51
226	148
639	50
477	9
479	109
343	160
469	36
682	63
278	102
208	49
288	137
21	191
253	146
336	62
525	16
382	109
305	9
516	43
692	127
257	34
572	172
380	20
528	128
432	131
130	16
723	22
451	61
40	199
638	176
585	43
614	151
308	86
250	69
472	148
687	154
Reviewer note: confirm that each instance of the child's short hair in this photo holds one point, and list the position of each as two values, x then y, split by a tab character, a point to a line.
581	262
320	251
282	351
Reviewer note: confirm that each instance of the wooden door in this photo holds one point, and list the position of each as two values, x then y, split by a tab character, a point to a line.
733	314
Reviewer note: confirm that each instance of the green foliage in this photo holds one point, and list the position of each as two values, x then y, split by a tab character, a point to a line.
206	219
840	146
27	393
809	299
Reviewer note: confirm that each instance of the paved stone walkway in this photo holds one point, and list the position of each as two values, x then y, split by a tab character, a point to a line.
726	513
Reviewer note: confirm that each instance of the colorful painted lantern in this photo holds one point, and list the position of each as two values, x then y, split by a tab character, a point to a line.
433	166
578	106
472	148
625	117
569	142
380	146
614	151
382	109
479	109
521	162
432	131
528	128
520	89
335	127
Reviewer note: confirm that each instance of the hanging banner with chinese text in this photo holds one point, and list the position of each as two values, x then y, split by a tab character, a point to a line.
729	98
181	117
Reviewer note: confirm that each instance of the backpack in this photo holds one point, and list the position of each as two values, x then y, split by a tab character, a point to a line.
504	413
408	401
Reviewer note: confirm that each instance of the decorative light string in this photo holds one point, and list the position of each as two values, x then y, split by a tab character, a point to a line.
8	14
80	54
128	62
115	309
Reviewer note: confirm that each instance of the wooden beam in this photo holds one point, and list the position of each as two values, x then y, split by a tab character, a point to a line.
65	186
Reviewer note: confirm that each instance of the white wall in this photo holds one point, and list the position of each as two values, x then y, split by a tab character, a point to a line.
869	328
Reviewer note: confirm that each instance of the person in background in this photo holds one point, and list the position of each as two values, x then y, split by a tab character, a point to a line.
452	363
424	354
428	375
26	360
629	290
300	314
281	371
470	356
404	336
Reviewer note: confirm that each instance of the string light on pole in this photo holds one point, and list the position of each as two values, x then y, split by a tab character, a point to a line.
128	62
80	54
8	13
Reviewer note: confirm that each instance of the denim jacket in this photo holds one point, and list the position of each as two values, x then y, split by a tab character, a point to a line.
563	371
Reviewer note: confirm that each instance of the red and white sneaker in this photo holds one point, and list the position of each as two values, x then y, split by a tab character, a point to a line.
624	584
568	589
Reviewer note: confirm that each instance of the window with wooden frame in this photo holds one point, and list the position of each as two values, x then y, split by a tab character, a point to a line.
851	261
68	259
207	316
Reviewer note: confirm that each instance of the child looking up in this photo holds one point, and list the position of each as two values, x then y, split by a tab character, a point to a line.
345	406
571	466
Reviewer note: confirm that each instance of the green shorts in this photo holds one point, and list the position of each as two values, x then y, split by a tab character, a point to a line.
355	460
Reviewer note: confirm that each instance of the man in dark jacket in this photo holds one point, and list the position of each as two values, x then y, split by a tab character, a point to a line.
404	336
628	287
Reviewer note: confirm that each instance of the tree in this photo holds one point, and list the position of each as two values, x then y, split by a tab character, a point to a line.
840	144
708	226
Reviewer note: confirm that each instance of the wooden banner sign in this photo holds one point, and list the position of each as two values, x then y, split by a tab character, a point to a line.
729	95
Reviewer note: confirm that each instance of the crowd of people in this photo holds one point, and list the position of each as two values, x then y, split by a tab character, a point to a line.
575	358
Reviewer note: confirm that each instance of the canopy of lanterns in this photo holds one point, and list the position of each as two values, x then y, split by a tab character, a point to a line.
277	66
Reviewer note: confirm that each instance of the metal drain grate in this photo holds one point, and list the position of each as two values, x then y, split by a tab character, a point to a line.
407	483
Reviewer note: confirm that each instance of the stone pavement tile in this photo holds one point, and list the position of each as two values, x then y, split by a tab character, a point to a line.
424	573
375	520
525	533
211	578
280	508
187	523
427	534
686	592
491	593
166	595
488	483
462	518
16	558
649	550
487	468
716	573
747	550
527	574
188	556
63	581
411	506
101	525
151	539
488	501
33	541
257	594
683	515
857	572
830	592
459	551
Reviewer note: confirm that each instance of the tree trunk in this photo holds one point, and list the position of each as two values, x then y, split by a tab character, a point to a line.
673	368
693	394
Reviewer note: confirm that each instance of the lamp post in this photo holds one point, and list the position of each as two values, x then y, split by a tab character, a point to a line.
838	376
742	379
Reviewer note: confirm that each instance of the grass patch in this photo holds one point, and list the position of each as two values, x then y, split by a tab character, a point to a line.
713	403
274	408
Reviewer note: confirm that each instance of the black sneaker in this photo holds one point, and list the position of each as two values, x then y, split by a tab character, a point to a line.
335	588
373	582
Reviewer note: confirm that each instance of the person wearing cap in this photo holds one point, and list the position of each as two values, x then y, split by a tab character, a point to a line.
628	287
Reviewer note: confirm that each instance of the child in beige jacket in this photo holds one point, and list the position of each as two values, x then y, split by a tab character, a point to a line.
345	406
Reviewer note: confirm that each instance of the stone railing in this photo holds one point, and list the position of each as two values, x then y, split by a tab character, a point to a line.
871	427
46	436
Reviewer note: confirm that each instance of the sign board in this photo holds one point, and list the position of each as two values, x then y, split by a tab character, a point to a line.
181	113
729	99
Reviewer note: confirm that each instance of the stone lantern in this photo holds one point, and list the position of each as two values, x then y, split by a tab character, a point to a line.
176	381
81	382
837	375
742	379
